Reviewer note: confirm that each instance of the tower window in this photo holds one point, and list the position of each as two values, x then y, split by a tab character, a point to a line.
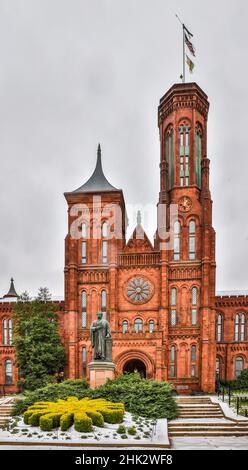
198	156
194	295
173	312
84	309
169	146
84	362
219	328
177	230
104	251
184	155
84	252
193	361
84	230
173	361
105	229
192	240
7	332
104	303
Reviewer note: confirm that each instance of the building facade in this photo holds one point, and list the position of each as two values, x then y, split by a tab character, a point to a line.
166	319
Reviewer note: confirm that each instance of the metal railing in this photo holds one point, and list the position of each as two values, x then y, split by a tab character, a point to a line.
228	392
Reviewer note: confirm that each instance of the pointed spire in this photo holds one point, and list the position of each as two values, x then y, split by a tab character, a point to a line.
12	291
98	181
139	219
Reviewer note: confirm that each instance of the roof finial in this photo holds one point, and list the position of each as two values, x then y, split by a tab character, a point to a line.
139	220
99	151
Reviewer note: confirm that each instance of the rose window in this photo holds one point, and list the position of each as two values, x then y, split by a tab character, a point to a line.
139	290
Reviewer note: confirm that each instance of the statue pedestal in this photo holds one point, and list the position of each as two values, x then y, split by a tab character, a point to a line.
100	371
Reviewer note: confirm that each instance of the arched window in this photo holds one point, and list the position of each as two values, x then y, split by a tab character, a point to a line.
194	300
219	328
242	329
125	326
192	240
173	311
193	361
105	231
218	367
173	361
151	326
177	230
7	332
84	309
84	361
198	156
138	325
84	230
184	155
169	150
8	372
104	303
239	331
239	365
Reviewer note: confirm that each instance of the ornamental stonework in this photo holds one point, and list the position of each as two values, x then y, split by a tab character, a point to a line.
138	290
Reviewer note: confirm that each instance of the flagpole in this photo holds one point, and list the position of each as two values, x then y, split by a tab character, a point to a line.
183	54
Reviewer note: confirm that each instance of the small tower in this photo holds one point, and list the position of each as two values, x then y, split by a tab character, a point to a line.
12	292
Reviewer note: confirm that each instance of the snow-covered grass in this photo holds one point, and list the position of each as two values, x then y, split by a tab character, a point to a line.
16	430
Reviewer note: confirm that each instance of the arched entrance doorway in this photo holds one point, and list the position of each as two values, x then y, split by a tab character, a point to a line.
135	365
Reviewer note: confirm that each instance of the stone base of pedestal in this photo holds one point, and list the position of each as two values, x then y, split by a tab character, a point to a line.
100	371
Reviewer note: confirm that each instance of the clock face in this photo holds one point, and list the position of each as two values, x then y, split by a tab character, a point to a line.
185	204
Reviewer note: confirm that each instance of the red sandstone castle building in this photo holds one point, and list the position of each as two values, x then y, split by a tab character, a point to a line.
166	320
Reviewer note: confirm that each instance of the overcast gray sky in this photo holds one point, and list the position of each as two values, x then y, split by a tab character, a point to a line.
75	72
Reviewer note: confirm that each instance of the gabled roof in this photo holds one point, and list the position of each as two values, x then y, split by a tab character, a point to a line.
12	292
139	241
98	181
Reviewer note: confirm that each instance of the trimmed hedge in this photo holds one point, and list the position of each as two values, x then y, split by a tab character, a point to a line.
84	413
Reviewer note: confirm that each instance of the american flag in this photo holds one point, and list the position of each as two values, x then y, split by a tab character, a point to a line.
189	44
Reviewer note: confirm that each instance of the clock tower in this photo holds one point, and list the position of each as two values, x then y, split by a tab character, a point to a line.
188	266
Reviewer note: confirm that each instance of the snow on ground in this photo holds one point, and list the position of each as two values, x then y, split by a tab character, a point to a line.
19	431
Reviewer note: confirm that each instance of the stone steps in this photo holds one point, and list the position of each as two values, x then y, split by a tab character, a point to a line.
202	417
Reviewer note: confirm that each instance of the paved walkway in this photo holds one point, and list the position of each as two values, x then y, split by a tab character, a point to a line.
210	443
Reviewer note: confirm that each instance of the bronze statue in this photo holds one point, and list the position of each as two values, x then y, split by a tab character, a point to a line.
100	336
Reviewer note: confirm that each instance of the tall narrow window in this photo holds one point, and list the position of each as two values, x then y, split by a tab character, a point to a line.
151	326
198	156
125	326
104	303
193	361
104	251
84	362
218	367
184	155
173	361
177	230
237	327
84	309
173	311
84	230
7	332
194	295
169	146
242	329
84	252
138	325
219	328
239	365
8	372
192	240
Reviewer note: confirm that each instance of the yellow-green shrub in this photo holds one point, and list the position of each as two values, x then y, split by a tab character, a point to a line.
84	413
82	422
